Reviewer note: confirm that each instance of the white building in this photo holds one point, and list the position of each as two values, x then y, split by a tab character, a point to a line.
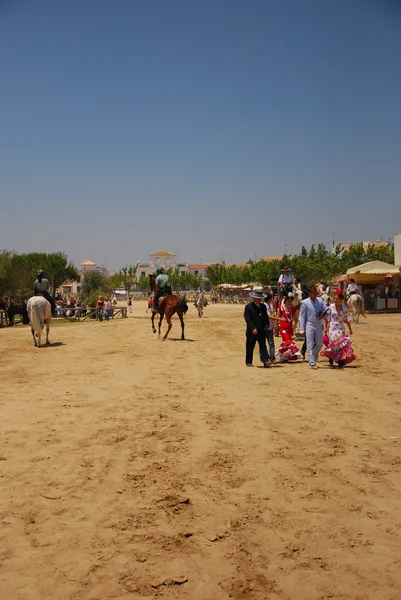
72	288
397	249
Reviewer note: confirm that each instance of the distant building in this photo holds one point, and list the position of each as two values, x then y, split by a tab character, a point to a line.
163	258
376	244
270	258
397	249
71	288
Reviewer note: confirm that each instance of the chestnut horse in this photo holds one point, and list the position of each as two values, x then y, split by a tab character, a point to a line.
168	305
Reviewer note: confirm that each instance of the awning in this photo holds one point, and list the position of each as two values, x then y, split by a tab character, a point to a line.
374	267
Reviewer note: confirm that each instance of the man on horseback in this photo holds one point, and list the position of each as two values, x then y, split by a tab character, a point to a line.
41	288
286	282
198	294
162	287
352	288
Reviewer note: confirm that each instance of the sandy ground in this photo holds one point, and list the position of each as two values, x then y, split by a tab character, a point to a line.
292	475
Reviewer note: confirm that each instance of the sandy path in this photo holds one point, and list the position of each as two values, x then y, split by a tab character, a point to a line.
292	472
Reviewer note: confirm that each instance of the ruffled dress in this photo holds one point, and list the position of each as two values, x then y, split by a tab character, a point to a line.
288	350
339	347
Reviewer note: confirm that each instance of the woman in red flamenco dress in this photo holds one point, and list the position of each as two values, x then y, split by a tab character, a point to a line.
288	351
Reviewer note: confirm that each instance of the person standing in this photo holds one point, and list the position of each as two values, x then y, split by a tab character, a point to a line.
338	347
106	309
255	315
286	281
269	328
150	302
129	304
99	309
312	311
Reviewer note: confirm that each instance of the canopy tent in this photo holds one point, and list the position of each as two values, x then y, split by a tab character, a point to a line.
232	286
375	267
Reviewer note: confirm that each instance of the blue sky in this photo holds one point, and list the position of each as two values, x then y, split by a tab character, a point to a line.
205	128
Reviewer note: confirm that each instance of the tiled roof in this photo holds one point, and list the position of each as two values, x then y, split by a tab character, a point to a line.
163	253
271	258
88	263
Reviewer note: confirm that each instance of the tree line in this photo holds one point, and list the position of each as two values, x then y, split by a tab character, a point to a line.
19	271
317	264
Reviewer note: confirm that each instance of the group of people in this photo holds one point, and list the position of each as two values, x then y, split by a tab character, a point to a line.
321	325
104	308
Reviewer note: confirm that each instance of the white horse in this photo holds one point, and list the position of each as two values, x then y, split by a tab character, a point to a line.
200	303
356	306
39	313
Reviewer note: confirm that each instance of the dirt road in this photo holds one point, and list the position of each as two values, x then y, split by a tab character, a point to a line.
292	475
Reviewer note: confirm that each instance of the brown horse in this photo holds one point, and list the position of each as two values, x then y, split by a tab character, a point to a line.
168	305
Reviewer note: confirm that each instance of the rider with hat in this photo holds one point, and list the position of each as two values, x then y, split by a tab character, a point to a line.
162	287
41	288
352	288
286	281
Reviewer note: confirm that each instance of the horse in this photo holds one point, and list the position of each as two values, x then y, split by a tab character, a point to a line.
200	303
12	309
356	306
39	312
168	305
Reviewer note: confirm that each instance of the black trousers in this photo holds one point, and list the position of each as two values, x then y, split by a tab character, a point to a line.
166	291
251	340
50	299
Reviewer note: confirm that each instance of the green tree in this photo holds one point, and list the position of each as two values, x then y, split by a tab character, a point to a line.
55	265
128	275
58	269
114	281
217	274
7	281
143	282
94	285
383	253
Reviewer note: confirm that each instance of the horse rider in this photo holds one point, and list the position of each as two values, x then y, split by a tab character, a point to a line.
41	288
198	294
162	287
286	282
352	288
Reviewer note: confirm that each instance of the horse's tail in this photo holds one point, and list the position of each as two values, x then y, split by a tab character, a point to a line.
183	304
361	306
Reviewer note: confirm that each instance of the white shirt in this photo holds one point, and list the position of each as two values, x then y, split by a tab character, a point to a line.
352	287
286	278
269	314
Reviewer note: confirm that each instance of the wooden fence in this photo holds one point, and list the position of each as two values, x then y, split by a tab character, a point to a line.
82	314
